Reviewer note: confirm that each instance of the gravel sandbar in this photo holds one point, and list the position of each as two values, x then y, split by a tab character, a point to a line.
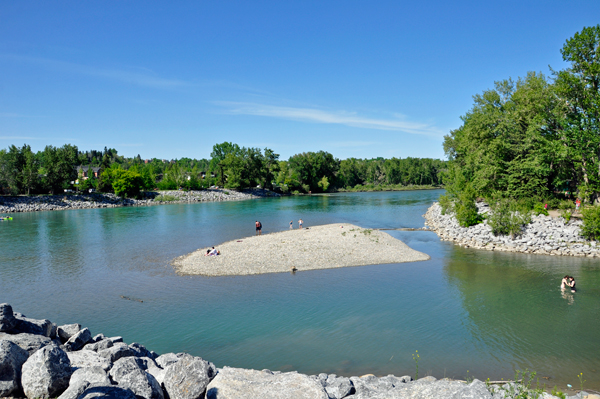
319	247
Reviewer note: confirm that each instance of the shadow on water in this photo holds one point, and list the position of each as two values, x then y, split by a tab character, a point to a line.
462	310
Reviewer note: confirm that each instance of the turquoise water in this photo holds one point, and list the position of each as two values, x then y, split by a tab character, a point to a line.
464	309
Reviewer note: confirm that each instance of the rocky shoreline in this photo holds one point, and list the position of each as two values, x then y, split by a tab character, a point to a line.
15	204
545	235
39	359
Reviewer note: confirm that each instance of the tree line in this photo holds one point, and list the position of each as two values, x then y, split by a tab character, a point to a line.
56	169
530	140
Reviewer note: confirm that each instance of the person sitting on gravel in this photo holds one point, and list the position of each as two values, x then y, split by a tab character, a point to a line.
213	252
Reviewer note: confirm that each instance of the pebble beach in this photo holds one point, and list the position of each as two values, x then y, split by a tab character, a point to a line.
319	247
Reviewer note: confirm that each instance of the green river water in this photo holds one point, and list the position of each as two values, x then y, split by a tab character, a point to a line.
464	310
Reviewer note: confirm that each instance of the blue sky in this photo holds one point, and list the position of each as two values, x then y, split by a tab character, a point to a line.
354	78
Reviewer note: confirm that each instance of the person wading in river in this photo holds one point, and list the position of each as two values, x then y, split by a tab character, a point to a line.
258	228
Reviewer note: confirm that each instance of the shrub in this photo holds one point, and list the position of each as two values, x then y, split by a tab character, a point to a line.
566	209
446	204
506	217
166	198
465	208
591	222
539	209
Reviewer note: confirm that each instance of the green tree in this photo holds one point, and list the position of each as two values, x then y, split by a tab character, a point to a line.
311	167
59	166
30	172
579	87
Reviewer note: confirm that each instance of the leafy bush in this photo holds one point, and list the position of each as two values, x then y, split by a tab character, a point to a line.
539	209
566	210
507	217
165	198
465	208
446	204
591	222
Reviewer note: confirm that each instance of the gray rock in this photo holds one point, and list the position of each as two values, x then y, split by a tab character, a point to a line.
167	359
425	389
7	318
139	350
46	373
67	331
84	378
86	358
98	337
99	345
29	342
241	384
12	357
149	365
338	387
112	392
78	340
116	352
116	339
188	378
33	326
129	375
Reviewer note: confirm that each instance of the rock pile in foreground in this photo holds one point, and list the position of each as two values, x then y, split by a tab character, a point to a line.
39	359
85	201
544	235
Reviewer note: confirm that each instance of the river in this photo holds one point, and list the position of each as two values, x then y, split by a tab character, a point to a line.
469	313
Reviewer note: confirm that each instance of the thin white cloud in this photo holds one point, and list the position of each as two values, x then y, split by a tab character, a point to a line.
320	116
17	138
15	115
145	79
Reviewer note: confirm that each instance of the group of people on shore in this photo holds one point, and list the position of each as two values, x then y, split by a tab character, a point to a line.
212	252
568	282
300	222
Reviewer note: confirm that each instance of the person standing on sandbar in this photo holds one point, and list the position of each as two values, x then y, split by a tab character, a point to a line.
300	224
258	228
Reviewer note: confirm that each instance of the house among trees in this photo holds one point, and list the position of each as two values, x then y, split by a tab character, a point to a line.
84	171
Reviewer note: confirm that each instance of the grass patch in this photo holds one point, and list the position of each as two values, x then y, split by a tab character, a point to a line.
166	198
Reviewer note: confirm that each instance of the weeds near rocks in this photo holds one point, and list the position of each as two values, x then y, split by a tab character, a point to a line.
367	232
557	393
522	387
566	210
446	204
165	198
416	357
581	380
591	222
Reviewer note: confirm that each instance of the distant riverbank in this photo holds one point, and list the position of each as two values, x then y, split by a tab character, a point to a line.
14	204
387	187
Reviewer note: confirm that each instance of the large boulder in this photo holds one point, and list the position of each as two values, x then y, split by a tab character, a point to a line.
84	378
12	357
7	318
116	352
34	326
85	358
46	373
371	388
30	342
139	350
168	359
127	373
338	387
249	384
78	340
149	365
112	392
66	331
99	345
188	378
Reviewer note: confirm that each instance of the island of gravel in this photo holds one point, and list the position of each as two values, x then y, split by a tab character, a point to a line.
545	235
40	359
319	247
14	204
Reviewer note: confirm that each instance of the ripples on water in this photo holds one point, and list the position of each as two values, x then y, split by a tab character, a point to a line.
462	310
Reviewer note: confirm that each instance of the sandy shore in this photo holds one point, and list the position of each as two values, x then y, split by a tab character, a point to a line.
319	247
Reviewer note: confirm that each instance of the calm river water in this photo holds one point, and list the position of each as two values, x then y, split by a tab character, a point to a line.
488	313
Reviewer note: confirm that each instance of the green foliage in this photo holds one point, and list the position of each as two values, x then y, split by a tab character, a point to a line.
591	222
522	388
416	358
566	209
165	198
323	184
446	204
581	380
507	217
538	209
559	394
